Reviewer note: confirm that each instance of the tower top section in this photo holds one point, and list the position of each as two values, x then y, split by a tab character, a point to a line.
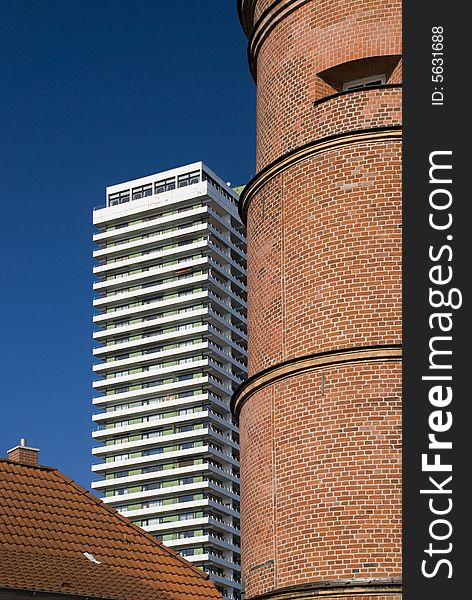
162	187
339	31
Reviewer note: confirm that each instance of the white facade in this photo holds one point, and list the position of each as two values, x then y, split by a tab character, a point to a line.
170	311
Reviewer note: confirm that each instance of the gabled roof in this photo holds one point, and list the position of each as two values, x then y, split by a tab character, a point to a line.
48	523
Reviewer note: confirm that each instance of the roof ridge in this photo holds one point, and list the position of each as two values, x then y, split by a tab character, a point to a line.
33	466
127	522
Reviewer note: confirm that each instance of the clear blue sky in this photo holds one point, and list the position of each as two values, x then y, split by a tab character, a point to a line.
94	92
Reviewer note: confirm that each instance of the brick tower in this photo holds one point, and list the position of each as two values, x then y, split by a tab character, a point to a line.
320	415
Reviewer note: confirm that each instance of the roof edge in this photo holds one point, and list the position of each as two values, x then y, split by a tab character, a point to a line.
127	522
110	510
32	466
8	591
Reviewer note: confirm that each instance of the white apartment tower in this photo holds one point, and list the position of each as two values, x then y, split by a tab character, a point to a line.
170	316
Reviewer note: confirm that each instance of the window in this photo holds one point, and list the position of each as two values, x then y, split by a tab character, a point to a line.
150	384
152	469
188	534
118	198
188	179
185	376
152	350
121	373
153	434
152	451
164	186
365	82
153	299
142	191
153	503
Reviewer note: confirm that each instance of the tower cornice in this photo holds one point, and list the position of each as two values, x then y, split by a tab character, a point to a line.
246	14
305	364
258	31
379	134
357	587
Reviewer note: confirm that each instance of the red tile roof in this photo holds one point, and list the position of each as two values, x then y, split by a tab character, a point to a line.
48	522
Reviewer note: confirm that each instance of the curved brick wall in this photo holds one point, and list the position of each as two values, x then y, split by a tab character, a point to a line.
325	256
315	37
320	416
321	477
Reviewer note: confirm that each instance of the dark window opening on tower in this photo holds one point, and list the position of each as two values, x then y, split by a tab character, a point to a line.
365	82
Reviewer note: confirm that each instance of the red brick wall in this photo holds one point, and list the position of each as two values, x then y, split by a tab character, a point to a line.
315	37
24	455
341	113
321	479
321	461
325	255
396	76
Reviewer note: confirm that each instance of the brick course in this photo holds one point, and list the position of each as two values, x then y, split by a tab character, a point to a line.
321	486
313	38
325	256
321	449
24	455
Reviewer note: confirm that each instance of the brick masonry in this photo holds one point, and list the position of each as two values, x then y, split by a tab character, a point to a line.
325	263
24	455
321	449
315	37
321	467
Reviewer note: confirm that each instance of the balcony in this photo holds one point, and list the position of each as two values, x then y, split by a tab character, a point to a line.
150	374
142	274
160	404
152	237
157	390
150	257
172	284
184	315
142	309
185	350
141	461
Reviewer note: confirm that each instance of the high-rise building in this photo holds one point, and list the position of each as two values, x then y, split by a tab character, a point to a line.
320	415
171	348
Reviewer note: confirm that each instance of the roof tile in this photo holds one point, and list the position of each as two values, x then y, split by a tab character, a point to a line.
47	522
